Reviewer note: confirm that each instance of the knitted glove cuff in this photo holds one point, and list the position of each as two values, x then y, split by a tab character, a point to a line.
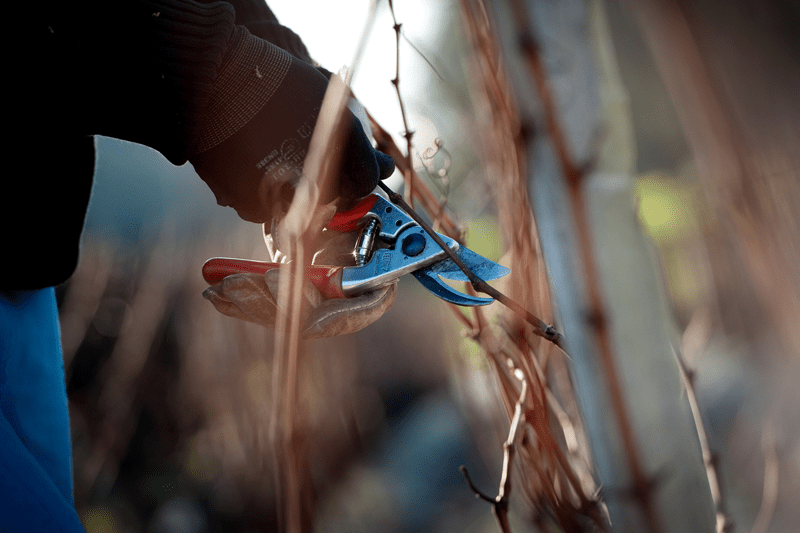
251	72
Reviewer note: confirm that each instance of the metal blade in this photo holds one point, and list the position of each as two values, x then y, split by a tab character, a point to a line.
430	280
482	267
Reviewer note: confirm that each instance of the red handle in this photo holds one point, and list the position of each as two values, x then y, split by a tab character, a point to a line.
327	279
350	220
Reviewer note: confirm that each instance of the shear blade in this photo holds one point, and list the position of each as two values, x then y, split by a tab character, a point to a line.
482	267
430	280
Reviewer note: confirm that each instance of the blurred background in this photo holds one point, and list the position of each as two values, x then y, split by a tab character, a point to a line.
170	401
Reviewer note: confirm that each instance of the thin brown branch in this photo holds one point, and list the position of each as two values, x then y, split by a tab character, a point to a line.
500	502
423	56
557	484
478	493
540	328
557	479
461	317
321	163
408	133
723	522
769	497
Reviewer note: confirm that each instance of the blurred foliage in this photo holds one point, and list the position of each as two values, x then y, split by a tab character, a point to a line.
666	207
483	236
671	211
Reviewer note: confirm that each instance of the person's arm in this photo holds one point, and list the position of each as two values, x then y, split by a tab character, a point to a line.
182	77
141	70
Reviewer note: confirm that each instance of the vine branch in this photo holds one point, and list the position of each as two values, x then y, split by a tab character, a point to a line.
500	502
396	82
540	327
723	522
769	497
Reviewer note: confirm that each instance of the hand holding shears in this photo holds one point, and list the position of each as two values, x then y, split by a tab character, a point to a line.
389	245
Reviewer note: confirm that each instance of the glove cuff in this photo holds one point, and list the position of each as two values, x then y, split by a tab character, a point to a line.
251	72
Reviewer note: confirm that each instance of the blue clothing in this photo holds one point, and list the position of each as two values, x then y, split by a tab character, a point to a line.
35	446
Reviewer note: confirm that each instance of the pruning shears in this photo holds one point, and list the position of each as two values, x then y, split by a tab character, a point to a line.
390	244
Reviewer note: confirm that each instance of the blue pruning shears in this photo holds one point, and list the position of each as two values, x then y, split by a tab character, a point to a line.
390	245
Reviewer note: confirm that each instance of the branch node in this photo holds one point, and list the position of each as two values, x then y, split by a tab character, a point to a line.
691	376
527	44
527	131
595	319
587	167
713	460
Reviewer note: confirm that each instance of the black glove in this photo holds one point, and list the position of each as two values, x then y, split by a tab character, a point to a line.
257	127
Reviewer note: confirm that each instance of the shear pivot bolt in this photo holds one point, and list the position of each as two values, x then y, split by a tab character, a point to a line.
414	244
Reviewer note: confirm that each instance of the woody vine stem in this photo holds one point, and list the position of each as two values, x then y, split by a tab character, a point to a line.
500	502
396	82
540	327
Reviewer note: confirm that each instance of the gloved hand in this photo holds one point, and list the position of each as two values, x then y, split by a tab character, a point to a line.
253	297
256	129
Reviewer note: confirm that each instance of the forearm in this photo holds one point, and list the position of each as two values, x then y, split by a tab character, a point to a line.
141	71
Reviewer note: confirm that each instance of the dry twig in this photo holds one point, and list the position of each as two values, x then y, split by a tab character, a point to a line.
723	523
554	482
500	502
769	497
540	328
408	133
320	164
